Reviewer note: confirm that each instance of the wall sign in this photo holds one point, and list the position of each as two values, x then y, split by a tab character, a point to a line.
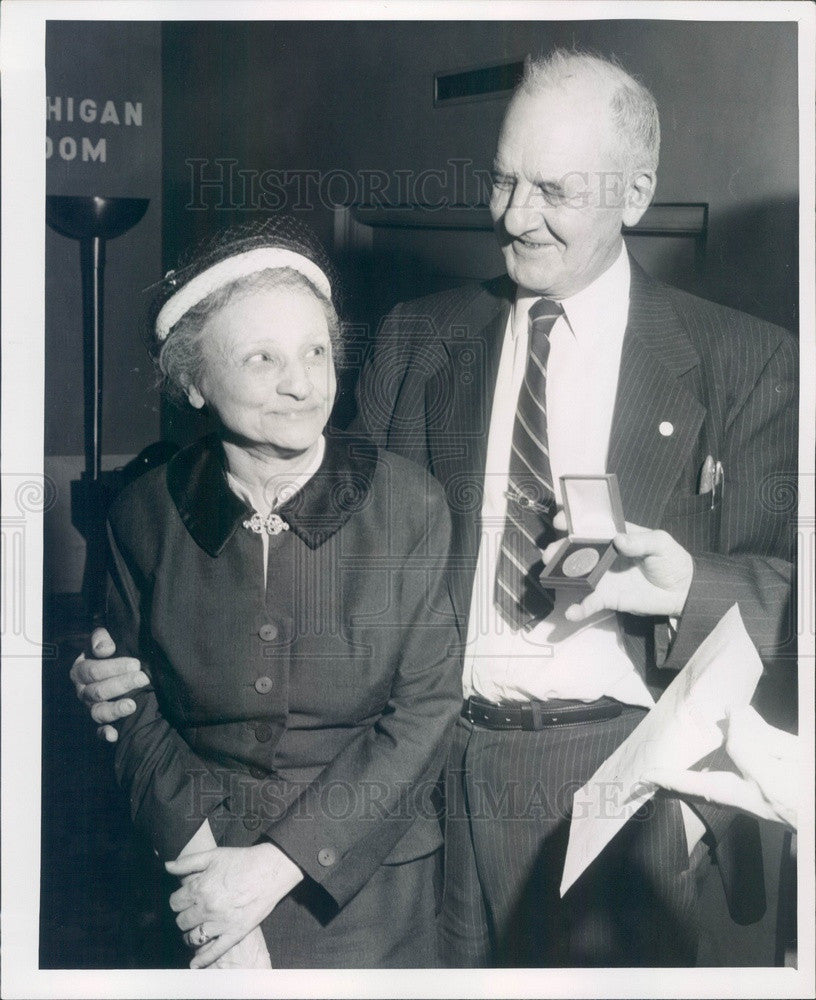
87	111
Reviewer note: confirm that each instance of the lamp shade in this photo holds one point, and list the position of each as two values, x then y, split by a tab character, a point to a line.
87	217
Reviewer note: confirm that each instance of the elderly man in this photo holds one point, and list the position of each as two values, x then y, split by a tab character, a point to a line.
577	363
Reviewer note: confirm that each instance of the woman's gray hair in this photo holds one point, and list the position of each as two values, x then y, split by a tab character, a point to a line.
634	110
181	358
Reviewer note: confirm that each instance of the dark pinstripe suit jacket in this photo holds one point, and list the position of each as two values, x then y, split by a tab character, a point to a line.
725	381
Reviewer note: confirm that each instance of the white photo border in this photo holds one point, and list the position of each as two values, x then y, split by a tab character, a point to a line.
22	41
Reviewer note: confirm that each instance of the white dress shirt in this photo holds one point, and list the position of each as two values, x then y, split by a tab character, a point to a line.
557	658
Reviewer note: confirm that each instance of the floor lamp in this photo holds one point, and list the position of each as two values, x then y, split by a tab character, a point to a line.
93	221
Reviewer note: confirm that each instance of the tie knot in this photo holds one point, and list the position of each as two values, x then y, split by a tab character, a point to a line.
545	311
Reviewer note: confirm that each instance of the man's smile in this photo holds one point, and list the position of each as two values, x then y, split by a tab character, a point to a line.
531	246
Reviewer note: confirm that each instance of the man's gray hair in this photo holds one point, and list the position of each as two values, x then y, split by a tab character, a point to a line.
634	110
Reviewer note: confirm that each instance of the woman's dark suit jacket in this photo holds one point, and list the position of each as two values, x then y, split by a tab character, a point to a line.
313	712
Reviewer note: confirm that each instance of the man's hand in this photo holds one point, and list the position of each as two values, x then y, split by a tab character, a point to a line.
226	893
651	576
771	764
100	680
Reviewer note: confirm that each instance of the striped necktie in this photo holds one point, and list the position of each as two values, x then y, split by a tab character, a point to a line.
519	597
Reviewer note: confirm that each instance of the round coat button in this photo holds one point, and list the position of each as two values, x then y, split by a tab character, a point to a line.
257	772
326	856
268	632
252	821
263	685
263	732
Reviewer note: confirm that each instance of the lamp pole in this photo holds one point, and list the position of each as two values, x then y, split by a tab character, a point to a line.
93	221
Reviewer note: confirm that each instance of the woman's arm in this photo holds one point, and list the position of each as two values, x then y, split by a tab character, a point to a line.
347	821
387	773
171	790
398	757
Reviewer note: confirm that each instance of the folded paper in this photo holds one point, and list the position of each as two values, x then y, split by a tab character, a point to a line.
679	731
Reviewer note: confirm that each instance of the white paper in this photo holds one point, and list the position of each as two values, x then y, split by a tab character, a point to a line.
679	731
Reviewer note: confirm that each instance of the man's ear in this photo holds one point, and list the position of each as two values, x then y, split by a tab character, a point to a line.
639	193
195	398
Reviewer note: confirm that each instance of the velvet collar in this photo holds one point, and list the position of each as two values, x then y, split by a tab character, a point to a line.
211	512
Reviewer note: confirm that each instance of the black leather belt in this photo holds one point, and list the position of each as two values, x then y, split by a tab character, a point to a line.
533	715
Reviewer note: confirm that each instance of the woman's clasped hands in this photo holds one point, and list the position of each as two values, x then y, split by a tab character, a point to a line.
224	895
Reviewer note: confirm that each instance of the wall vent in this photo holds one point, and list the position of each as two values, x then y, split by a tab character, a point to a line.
476	84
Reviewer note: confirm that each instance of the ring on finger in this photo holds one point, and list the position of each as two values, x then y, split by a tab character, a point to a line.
198	936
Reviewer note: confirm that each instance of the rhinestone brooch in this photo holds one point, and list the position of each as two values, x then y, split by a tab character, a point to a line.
272	524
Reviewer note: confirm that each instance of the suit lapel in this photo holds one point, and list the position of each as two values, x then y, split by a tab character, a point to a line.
656	418
459	423
657	362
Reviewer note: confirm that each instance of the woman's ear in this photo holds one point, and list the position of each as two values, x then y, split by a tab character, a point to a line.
195	398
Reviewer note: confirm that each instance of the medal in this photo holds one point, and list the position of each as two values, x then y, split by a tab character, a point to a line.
580	562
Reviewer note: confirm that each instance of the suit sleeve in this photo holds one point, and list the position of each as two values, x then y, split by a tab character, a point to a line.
757	526
381	377
391	390
753	567
171	791
349	818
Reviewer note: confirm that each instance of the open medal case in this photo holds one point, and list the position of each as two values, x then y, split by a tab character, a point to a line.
594	512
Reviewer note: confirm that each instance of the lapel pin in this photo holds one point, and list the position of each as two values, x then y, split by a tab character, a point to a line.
666	428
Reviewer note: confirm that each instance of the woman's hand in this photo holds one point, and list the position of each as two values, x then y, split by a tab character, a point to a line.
227	892
251	951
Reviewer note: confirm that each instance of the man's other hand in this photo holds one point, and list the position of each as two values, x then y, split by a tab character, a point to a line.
101	679
771	762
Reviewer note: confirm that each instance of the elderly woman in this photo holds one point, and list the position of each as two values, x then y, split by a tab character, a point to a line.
285	592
